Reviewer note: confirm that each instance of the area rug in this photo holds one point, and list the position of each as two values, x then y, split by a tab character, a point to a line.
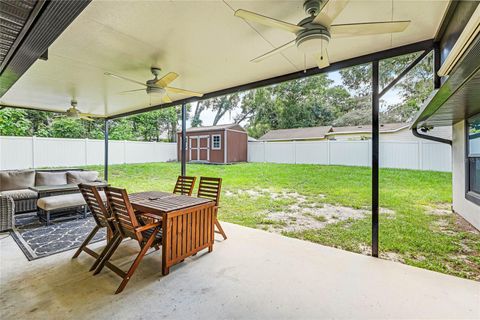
37	240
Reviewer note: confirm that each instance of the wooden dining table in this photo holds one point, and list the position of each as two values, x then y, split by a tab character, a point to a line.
187	223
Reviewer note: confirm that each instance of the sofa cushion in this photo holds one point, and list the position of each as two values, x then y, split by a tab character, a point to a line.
76	177
61	201
20	194
50	178
16	179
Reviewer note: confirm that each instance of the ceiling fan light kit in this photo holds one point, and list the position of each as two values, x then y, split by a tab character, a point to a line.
314	32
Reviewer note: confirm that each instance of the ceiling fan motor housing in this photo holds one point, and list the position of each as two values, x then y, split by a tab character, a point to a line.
152	89
312	7
314	38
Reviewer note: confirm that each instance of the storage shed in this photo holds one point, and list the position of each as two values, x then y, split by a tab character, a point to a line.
215	144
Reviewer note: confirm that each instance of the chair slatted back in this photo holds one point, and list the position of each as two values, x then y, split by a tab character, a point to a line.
123	213
95	204
210	188
184	185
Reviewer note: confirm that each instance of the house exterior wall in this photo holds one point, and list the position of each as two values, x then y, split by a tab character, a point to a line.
237	145
467	209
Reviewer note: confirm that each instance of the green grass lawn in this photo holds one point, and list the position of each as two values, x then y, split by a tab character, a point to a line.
418	229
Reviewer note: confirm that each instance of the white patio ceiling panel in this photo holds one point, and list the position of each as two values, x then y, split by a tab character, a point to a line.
200	40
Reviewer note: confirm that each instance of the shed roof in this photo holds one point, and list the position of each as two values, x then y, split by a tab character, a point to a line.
233	126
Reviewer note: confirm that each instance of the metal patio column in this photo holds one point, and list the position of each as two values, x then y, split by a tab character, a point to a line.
105	135
375	150
184	138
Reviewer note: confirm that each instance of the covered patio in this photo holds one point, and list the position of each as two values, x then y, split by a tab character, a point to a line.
253	274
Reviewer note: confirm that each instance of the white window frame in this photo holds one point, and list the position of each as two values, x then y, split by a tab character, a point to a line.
219	142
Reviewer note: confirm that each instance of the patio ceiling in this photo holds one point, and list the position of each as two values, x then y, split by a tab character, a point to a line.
201	41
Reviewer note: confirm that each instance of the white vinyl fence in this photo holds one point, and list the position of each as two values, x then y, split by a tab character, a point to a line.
419	155
33	152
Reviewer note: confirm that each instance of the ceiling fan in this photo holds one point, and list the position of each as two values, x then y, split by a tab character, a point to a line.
73	112
314	32
158	86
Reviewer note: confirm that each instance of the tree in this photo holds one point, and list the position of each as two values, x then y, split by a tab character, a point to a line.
14	122
222	105
121	129
64	127
307	102
415	87
199	108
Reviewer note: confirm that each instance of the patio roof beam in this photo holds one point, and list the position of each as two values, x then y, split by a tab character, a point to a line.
369	58
404	72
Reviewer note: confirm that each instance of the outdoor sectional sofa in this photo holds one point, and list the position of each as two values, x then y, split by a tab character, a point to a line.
17	196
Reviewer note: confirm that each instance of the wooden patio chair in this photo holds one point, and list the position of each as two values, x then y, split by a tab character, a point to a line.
184	185
102	218
210	188
128	226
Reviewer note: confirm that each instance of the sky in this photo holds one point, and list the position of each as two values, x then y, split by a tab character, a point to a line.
207	116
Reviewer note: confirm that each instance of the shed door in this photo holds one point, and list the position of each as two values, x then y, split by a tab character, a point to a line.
193	148
204	148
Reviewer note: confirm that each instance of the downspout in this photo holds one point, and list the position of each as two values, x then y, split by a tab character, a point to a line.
431	138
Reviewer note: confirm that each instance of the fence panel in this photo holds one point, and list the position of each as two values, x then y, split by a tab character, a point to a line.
16	152
312	152
33	152
417	155
280	152
436	156
350	153
400	154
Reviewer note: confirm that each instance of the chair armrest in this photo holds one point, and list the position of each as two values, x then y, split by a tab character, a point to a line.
147	226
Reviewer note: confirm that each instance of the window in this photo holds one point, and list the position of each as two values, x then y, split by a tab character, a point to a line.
216	142
473	157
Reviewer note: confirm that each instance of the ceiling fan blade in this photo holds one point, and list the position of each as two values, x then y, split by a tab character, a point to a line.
322	59
184	92
274	51
166	98
123	78
267	21
128	91
368	28
329	12
165	80
85	118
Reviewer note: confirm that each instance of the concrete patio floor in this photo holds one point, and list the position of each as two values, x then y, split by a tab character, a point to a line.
252	275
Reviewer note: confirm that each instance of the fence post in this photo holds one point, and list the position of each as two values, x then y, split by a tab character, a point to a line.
295	151
420	155
328	152
124	151
33	152
264	151
86	151
1	142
